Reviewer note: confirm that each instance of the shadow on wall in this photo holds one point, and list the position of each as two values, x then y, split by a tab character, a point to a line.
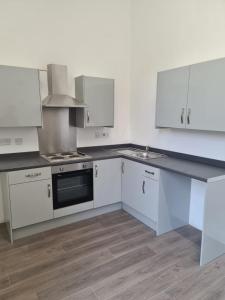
200	143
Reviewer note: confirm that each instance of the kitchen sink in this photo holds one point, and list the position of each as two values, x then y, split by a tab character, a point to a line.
141	154
146	155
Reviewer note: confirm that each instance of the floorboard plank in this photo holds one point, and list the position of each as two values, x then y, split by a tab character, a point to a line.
84	280
198	283
109	257
86	294
126	279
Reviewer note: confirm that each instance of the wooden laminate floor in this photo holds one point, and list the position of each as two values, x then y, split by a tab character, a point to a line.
112	256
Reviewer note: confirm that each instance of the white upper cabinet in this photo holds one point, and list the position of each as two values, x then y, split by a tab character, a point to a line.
172	91
20	101
192	97
206	98
98	94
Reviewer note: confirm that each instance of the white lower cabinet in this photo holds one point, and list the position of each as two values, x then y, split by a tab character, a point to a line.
29	192
140	188
107	182
30	201
131	183
148	201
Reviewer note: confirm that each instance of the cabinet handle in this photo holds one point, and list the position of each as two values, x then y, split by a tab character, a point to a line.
122	167
88	117
189	116
152	173
143	187
96	171
49	190
32	175
182	116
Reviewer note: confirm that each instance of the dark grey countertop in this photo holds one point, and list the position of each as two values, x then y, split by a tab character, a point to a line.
14	162
21	161
199	171
196	170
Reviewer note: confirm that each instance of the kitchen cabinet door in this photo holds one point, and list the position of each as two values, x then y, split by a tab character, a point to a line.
107	182
31	202
20	101
98	94
206	101
131	183
139	191
148	204
172	93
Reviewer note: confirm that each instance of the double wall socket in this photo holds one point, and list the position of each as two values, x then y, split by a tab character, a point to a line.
8	141
18	141
5	141
101	133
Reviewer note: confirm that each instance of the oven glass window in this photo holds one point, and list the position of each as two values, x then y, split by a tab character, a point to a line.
73	188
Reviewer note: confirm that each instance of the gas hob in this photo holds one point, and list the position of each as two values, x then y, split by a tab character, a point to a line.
64	156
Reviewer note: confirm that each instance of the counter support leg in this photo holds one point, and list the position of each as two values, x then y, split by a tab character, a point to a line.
213	233
174	202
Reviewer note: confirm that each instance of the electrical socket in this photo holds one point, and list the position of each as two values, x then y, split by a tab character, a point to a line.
18	141
101	133
97	134
5	142
105	134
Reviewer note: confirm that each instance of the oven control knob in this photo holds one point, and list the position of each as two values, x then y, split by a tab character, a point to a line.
61	169
84	166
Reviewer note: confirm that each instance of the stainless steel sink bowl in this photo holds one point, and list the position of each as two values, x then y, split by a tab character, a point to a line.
141	154
144	155
148	155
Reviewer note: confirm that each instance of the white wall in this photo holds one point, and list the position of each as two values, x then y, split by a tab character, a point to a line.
90	37
164	35
30	140
100	38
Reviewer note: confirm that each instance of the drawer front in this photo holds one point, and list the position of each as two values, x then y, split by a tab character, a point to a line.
151	172
29	175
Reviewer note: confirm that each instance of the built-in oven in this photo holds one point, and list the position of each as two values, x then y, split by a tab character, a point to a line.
72	184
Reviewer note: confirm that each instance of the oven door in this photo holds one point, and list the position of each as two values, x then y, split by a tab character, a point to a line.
72	188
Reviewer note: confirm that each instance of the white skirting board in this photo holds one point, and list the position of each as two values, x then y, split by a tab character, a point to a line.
37	228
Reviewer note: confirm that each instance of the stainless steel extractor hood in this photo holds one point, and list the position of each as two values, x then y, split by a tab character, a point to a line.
58	89
57	135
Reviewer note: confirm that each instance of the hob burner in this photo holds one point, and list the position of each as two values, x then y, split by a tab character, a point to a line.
64	156
56	157
66	153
